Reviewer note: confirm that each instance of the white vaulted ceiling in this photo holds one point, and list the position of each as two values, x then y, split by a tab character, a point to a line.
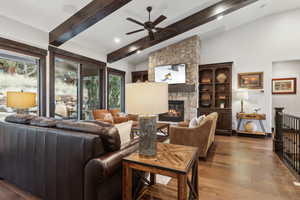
47	14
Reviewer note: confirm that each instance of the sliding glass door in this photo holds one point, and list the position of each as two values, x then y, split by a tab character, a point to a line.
66	88
91	90
18	73
76	85
116	89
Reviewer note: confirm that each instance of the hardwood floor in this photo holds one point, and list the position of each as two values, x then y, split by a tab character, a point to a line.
240	168
237	168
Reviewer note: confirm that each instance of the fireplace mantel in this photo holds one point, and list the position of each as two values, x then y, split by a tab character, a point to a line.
183	88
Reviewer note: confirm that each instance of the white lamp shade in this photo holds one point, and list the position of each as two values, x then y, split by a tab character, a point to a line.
147	98
242	95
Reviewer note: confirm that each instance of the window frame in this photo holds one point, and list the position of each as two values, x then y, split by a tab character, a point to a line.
41	54
59	53
123	76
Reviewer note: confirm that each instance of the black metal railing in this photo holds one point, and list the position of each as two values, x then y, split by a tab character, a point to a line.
287	140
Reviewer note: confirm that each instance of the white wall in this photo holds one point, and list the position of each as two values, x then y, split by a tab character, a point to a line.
20	32
253	47
142	66
287	69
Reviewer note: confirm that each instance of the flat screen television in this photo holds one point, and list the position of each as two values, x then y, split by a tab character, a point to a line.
171	74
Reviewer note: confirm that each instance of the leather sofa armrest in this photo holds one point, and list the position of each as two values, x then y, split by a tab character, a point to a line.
99	170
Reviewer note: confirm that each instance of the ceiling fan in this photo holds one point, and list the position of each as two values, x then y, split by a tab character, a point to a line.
149	25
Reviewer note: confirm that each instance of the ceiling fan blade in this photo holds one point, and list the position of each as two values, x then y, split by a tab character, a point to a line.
135	31
135	21
151	35
159	20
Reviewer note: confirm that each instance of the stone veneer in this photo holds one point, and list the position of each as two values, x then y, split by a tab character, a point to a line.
184	52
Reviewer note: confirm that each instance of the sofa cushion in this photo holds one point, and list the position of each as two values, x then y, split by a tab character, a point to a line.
44	122
20	118
109	134
124	132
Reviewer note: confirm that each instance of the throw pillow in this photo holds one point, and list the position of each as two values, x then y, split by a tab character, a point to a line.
121	114
124	132
200	119
193	123
108	116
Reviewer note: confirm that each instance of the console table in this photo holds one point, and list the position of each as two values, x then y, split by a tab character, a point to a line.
251	116
171	160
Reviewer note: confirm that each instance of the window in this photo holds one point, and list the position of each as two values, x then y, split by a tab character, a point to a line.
116	89
91	90
76	85
22	68
66	88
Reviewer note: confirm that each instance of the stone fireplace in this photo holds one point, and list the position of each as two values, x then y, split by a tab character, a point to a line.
176	112
184	52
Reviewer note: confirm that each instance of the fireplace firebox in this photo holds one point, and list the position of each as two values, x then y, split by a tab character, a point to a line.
176	112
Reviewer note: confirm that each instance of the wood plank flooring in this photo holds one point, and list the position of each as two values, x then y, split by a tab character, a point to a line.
237	168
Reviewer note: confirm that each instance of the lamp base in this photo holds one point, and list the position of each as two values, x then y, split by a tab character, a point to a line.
148	137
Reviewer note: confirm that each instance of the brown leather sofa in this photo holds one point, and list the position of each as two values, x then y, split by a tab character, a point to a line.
73	162
202	136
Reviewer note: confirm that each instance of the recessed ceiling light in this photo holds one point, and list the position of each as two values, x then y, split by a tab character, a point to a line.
133	48
139	51
220	17
117	40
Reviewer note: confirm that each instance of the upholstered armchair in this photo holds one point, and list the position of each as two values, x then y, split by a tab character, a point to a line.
201	136
112	116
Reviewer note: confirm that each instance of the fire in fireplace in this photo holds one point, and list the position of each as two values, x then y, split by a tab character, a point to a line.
176	112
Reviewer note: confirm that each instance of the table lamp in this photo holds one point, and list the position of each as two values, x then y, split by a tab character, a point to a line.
242	95
21	101
147	100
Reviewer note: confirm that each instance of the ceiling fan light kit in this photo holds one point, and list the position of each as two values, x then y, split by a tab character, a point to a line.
149	26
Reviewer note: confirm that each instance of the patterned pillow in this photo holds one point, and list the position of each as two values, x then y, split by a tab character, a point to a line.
193	123
200	119
107	116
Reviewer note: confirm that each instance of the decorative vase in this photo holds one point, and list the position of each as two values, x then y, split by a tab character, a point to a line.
221	78
250	126
206	80
147	137
205	100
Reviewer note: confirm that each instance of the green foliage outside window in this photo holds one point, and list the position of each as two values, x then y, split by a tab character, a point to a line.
115	91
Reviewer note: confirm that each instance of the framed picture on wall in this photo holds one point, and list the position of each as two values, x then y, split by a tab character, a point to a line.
251	80
284	86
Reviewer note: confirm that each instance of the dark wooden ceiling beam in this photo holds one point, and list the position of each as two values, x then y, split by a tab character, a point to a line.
202	17
83	19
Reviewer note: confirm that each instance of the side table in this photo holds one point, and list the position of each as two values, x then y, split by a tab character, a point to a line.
251	116
175	161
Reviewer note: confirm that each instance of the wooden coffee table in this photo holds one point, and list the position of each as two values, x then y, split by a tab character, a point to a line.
175	161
